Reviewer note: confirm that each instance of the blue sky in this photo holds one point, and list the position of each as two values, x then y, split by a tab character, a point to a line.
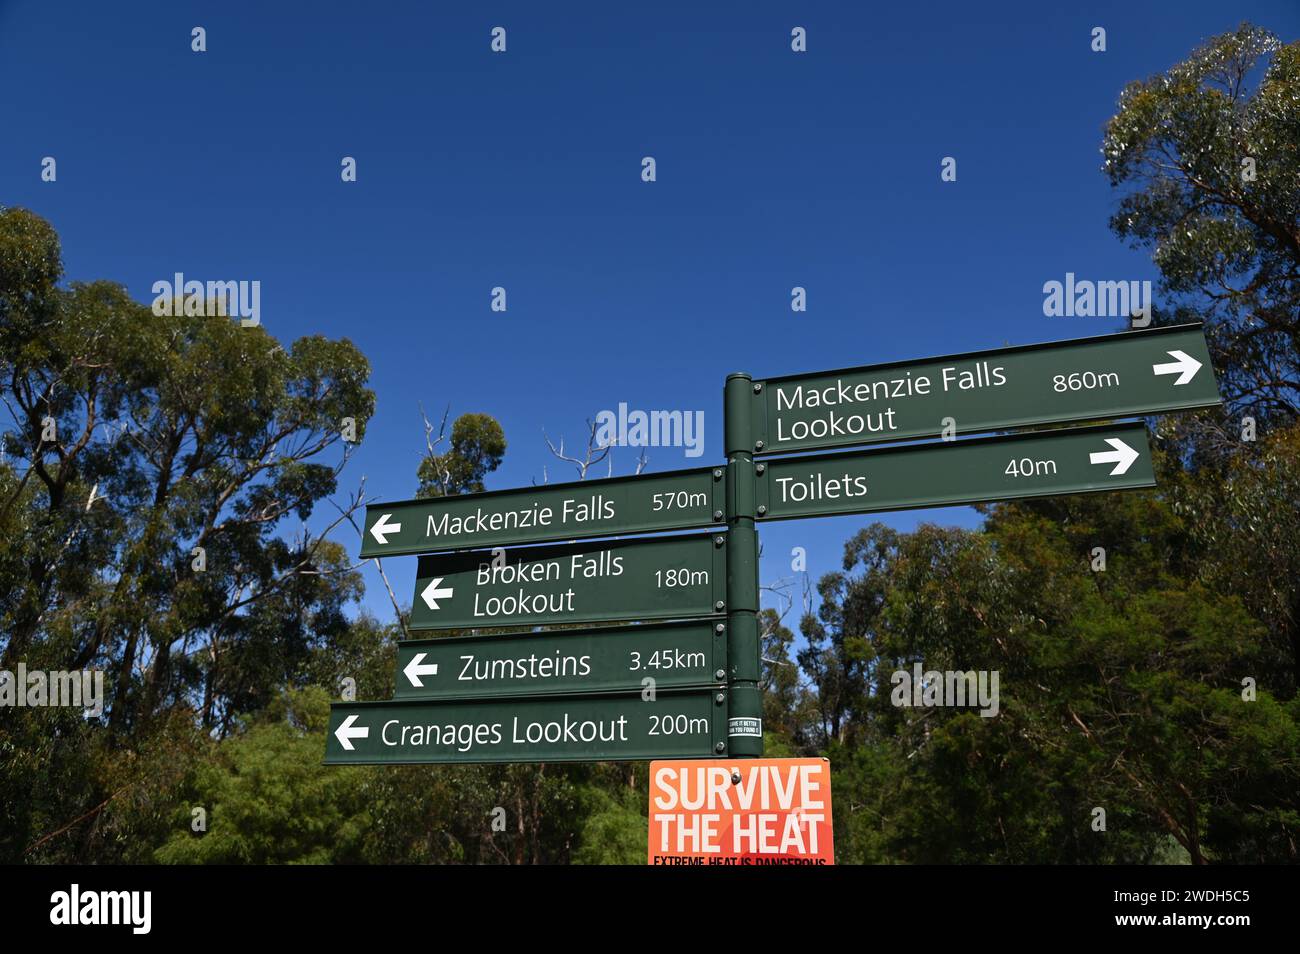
522	170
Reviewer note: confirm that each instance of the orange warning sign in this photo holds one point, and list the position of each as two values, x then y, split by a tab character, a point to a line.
741	812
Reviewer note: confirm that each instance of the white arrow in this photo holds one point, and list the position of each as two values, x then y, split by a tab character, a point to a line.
345	733
432	593
414	670
1122	456
1185	367
381	528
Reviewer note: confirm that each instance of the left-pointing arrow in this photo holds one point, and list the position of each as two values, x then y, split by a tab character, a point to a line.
435	591
346	732
1122	456
382	528
417	668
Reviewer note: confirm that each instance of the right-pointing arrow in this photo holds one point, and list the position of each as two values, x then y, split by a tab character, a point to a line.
1185	366
345	733
1122	456
414	670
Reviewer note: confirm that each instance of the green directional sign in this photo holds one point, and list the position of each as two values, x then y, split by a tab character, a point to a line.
1073	461
678	500
1118	375
612	658
684	680
602	581
591	728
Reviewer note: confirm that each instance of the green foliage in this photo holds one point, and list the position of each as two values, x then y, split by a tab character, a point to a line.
1208	156
268	798
170	434
787	708
135	442
1245	522
1120	690
615	831
840	650
477	446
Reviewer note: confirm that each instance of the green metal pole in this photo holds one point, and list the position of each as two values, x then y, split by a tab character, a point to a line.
744	701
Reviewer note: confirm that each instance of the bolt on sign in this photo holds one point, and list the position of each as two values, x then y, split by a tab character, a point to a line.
678	500
741	812
647	578
1108	376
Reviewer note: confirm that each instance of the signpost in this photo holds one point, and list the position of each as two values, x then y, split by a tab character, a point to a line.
612	658
590	728
678	500
1075	461
649	578
687	691
1119	375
